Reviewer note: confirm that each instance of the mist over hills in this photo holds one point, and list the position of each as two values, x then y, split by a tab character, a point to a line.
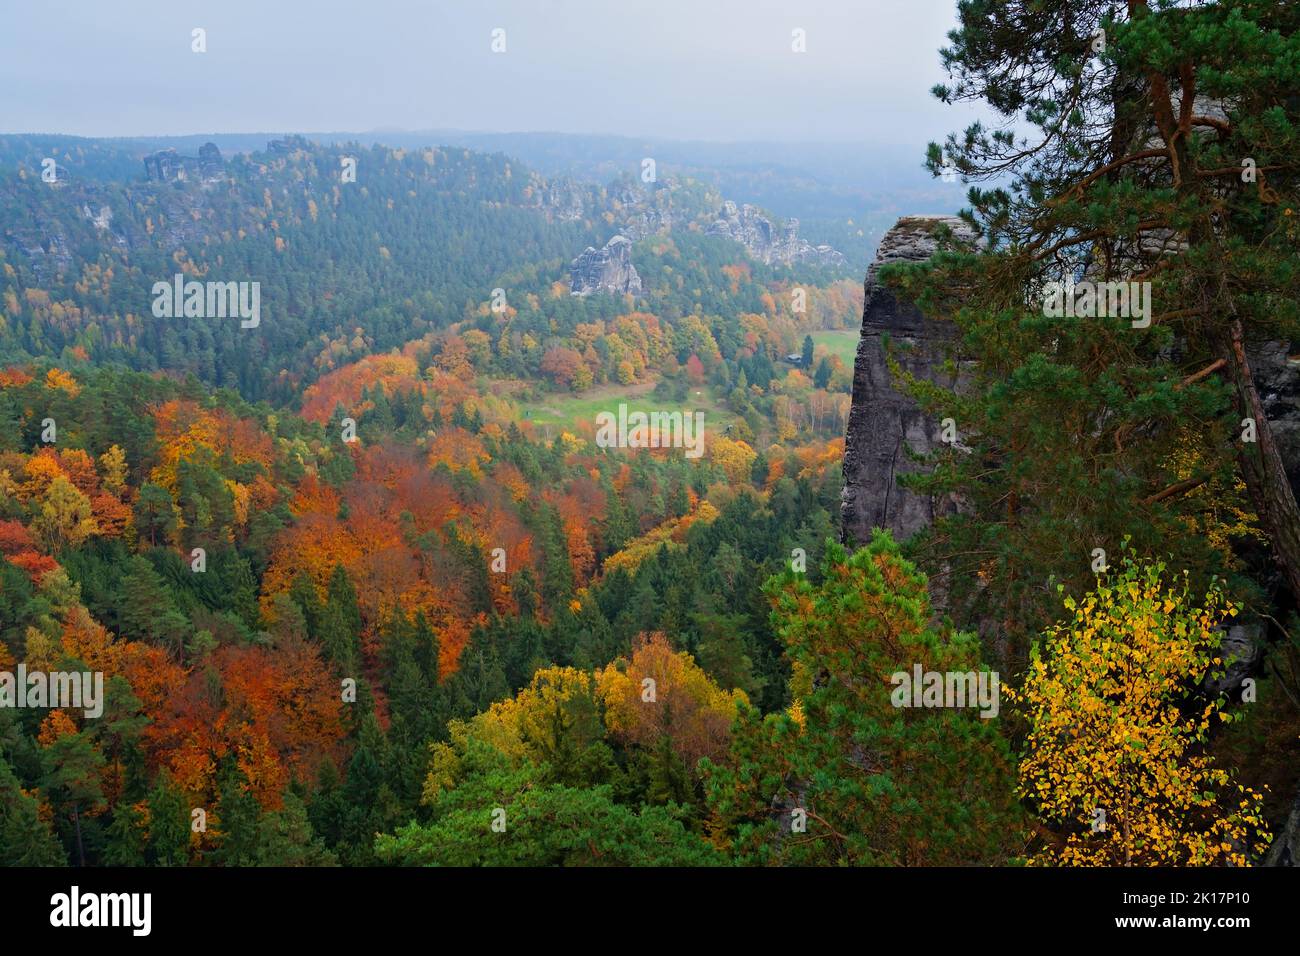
843	194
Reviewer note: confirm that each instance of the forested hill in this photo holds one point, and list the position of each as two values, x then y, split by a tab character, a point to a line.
418	241
404	249
304	551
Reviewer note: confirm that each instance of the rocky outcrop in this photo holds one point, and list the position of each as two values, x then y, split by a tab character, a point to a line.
885	426
765	242
167	165
210	161
164	165
673	205
48	253
561	199
605	270
647	212
1240	649
288	145
103	219
1285	848
1276	369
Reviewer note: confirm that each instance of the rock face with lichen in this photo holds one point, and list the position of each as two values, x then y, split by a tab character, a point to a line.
605	270
885	426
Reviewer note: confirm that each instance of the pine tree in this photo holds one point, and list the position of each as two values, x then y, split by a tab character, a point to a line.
822	378
124	843
73	770
1155	143
545	825
169	824
303	592
144	603
238	817
25	839
668	780
369	802
846	775
155	514
342	596
285	838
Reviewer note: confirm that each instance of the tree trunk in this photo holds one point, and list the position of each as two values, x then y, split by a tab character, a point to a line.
1262	465
76	822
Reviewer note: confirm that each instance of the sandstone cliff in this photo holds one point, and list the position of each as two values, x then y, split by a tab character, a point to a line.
605	270
884	425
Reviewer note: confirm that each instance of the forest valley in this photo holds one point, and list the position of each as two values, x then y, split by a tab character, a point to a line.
368	583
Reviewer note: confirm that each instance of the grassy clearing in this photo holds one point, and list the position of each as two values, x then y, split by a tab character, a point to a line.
841	342
557	413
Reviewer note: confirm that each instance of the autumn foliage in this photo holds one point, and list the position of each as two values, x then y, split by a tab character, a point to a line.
1115	761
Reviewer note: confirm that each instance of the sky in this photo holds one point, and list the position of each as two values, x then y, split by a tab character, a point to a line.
721	70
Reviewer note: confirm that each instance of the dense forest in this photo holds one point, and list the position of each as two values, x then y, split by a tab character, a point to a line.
367	585
314	560
229	569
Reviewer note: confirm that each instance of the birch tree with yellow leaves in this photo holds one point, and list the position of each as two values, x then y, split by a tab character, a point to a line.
1115	763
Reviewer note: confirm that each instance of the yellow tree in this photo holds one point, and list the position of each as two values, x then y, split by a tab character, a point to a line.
659	692
735	458
522	728
112	467
1114	762
65	517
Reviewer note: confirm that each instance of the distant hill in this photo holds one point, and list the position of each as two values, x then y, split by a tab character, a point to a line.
417	243
836	190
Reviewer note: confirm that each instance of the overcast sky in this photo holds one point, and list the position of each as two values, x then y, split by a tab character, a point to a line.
679	69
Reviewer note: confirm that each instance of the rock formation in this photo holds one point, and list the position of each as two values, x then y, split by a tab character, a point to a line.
673	205
1276	369
882	422
288	145
605	270
648	212
1285	849
762	240
167	165
561	198
884	425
